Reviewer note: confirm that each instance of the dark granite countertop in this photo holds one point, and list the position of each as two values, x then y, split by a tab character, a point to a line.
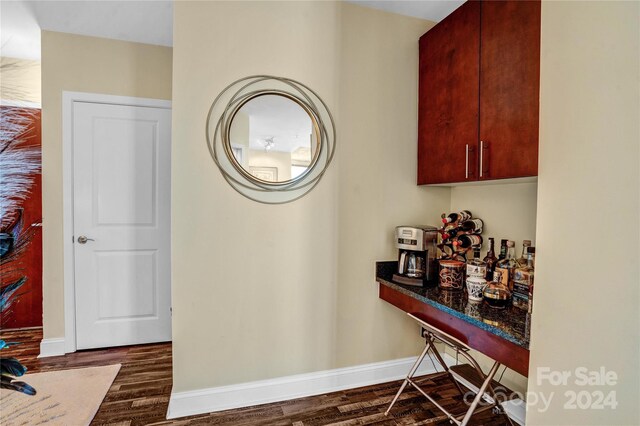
511	323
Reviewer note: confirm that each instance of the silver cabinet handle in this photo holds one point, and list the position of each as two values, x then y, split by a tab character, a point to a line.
481	152
466	162
83	240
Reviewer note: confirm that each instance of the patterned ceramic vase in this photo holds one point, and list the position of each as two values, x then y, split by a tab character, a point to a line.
451	274
475	287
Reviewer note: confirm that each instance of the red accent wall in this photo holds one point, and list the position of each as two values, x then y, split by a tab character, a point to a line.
26	310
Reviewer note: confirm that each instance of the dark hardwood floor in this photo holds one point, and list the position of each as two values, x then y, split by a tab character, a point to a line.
140	394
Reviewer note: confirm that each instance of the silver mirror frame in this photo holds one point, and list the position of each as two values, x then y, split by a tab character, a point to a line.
220	117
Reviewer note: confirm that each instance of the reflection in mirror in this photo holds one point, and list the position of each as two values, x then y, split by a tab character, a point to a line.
273	138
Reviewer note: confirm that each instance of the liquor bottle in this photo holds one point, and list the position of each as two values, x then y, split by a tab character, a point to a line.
456	217
523	281
450	231
496	294
476	267
503	249
467	240
490	259
522	260
507	266
472	225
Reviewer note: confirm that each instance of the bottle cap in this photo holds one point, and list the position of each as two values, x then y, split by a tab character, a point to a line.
526	242
511	244
531	250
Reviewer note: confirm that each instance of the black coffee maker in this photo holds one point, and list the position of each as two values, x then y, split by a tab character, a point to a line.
416	255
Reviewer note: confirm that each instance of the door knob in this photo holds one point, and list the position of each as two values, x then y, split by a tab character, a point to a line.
83	240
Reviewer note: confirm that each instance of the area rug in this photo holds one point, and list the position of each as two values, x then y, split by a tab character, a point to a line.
64	397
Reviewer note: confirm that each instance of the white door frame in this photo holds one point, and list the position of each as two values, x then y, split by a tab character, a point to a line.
68	100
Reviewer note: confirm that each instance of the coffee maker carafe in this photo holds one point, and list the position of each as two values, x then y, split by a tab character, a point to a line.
416	254
411	264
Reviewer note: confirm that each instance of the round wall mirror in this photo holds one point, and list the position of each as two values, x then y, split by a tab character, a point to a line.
272	139
278	138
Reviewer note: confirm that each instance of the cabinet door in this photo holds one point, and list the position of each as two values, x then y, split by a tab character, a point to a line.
509	89
448	98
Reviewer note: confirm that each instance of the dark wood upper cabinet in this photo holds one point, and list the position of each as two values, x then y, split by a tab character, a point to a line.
479	94
509	88
448	114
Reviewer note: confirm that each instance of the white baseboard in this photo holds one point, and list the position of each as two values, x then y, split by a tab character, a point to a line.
51	347
283	388
516	409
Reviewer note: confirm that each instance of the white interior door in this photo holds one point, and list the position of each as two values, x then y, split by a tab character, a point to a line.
121	181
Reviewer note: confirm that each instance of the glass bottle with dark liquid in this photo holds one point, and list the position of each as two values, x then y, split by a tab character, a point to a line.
503	249
456	217
467	240
450	231
472	225
496	294
507	266
490	260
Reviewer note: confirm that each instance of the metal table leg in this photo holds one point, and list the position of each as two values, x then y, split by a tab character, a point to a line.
431	334
480	393
408	378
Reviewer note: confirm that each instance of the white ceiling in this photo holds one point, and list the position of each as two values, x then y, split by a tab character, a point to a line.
140	21
432	10
146	21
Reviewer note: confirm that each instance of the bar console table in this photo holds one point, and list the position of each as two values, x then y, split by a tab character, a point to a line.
502	335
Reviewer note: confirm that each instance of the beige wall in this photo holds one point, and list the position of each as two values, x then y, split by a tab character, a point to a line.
83	64
19	80
586	310
508	211
266	291
376	166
